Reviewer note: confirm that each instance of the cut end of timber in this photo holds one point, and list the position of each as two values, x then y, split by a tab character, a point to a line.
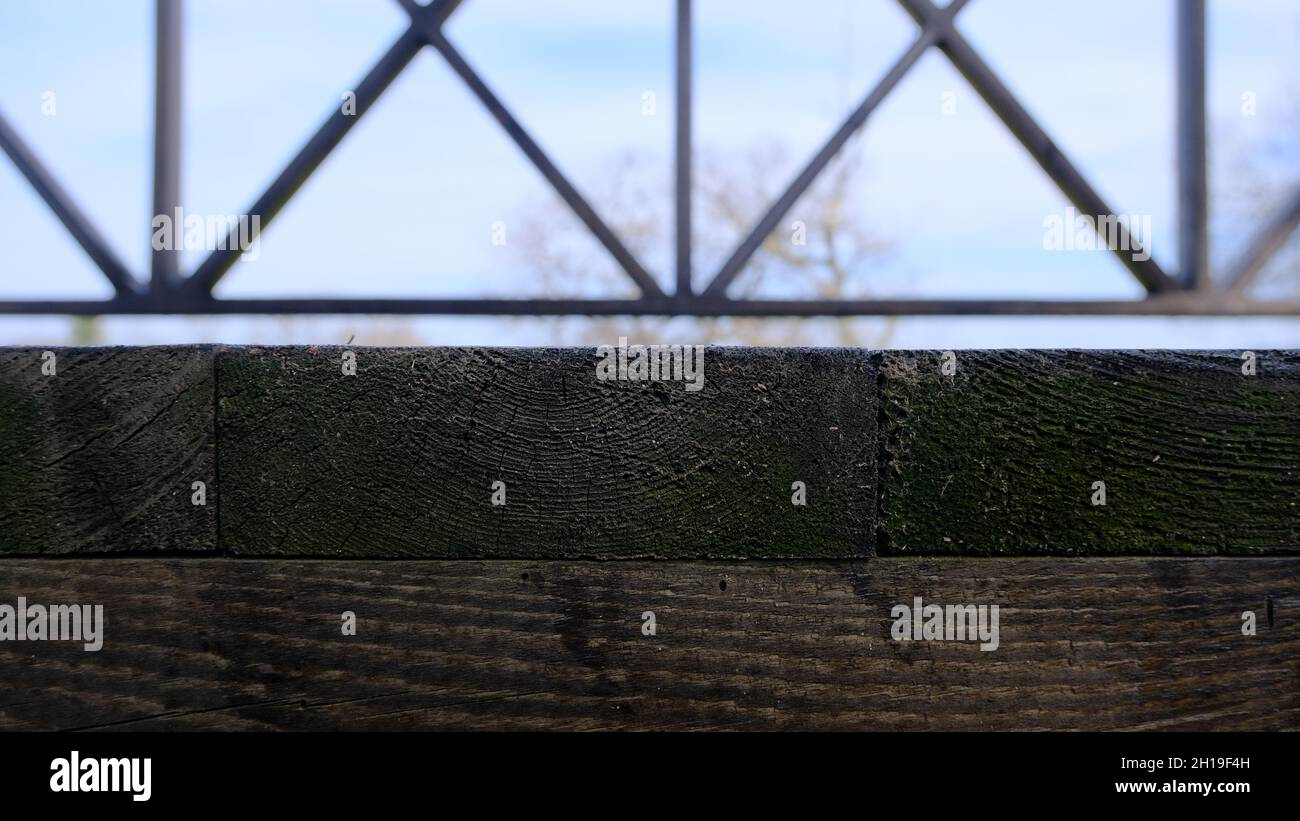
513	452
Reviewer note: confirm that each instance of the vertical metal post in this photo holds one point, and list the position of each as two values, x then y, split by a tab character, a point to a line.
167	137
1193	242
683	148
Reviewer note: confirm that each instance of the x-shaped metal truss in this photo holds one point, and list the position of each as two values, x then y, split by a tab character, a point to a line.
1193	291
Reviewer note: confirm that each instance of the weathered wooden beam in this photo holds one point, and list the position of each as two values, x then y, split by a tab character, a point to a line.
482	452
1010	453
100	449
258	644
1014	452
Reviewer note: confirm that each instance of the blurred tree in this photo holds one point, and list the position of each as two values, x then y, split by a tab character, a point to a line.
85	330
822	250
358	330
1260	175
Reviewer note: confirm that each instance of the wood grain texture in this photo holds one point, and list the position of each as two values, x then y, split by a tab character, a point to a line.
256	644
1001	457
399	460
100	456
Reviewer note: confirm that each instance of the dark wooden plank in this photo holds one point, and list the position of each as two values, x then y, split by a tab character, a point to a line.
1002	456
100	455
400	458
247	644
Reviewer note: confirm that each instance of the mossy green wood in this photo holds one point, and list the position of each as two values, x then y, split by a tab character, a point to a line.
399	460
100	447
1002	456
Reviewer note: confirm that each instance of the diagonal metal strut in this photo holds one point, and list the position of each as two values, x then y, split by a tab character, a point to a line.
1040	146
72	217
765	226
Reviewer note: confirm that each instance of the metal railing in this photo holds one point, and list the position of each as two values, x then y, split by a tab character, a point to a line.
1191	291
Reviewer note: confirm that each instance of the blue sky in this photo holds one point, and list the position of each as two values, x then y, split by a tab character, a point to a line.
405	205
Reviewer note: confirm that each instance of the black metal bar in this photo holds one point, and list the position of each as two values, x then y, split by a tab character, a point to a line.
1264	245
72	217
1193	243
428	20
1174	303
533	151
683	146
765	226
325	140
165	268
1040	146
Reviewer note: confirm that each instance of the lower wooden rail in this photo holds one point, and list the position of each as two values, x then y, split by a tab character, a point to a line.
1100	643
